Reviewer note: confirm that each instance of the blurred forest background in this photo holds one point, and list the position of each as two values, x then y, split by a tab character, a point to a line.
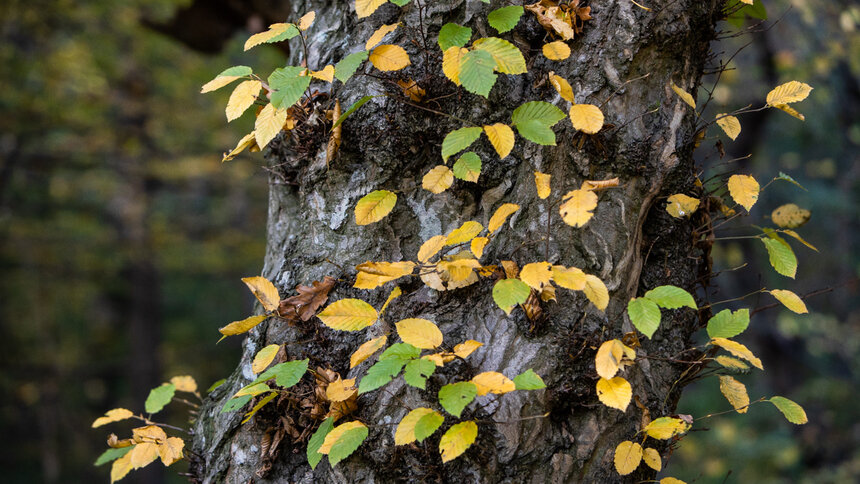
123	237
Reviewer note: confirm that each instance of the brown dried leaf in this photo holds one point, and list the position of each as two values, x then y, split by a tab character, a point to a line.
304	305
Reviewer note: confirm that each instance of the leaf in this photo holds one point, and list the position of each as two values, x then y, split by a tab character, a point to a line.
614	393
455	396
417	372
644	314
458	140
542	184
731	363
735	392
536	274
744	190
671	297
466	348
680	205
427	425
380	374
288	84
738	350
528	380
143	454
628	455
459	269
505	18
541	111
285	374
226	77
509	292
121	467
468	167
366	350
790	110
264	358
453	35
317	440
235	403
500	216
586	118
665	428
405	433
684	95
374	274
348	315
347	66
652	459
184	383
451	59
457	439
260	404
114	415
252	389
159	397
596	292
245	325
576	209
730	125
477	246
790	300
781	256
242	98
351	110
508	59
557	51
374	206
464	233
326	74
111	455
342	441
790	92
340	390
438	179
671	480
790	216
493	382
269	123
793	412
607	360
379	34
420	333
264	291
304	305
501	136
364	8
389	57
247	141
171	450
726	324
476	72
276	33
431	247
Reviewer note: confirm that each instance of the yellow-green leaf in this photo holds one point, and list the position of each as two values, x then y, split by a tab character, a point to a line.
744	190
735	392
542	184
790	300
729	124
420	333
348	315
556	51
374	206
793	412
628	455
264	291
493	382
438	179
457	439
576	209
264	358
790	92
272	34
738	350
615	392
366	350
508	58
586	118
680	205
665	428
500	216
342	441
684	95
501	136
464	233
451	59
243	326
596	292
389	57
269	123
405	433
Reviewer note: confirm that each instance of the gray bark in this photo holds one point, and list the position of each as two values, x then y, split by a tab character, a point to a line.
631	244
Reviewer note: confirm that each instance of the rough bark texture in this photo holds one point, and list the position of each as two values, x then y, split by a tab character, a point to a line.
631	244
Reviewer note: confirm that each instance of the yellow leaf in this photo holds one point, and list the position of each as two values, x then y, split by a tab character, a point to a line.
373	274
576	210
730	125
459	269
439	359
738	350
501	214
143	454
171	450
542	184
615	393
501	136
680	205
243	326
340	390
790	216
493	382
600	184
607	361
247	141
336	433
665	428
464	233
366	350
457	439
218	83
512	270
568	277
672	480
744	190
790	110
412	89
242	98
438	179
327	74
259	38
405	433
562	86
451	63
652	459
394	294
536	275
389	57
797	236
596	292
269	123
477	246
420	333
114	415
364	8
735	392
790	300
264	358
348	315
684	95
556	51
374	206
380	34
466	348
628	455
149	433
184	383
306	20
431	247
120	467
790	92
731	363
264	291
586	117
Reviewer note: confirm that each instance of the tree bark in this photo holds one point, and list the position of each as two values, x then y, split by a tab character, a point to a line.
624	62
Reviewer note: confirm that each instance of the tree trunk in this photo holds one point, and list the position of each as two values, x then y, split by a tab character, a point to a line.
625	55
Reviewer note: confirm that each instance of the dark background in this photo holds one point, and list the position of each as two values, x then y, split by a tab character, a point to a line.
123	237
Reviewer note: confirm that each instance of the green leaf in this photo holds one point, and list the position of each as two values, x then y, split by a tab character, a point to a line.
476	72
113	454
544	112
537	132
781	256
508	58
453	34
426	425
288	86
159	397
458	140
782	176
346	444
351	110
726	324
316	441
417	371
236	403
288	34
529	380
644	314
399	3
505	18
793	412
379	374
509	292
468	167
671	297
215	385
285	374
455	396
400	351
235	71
347	66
